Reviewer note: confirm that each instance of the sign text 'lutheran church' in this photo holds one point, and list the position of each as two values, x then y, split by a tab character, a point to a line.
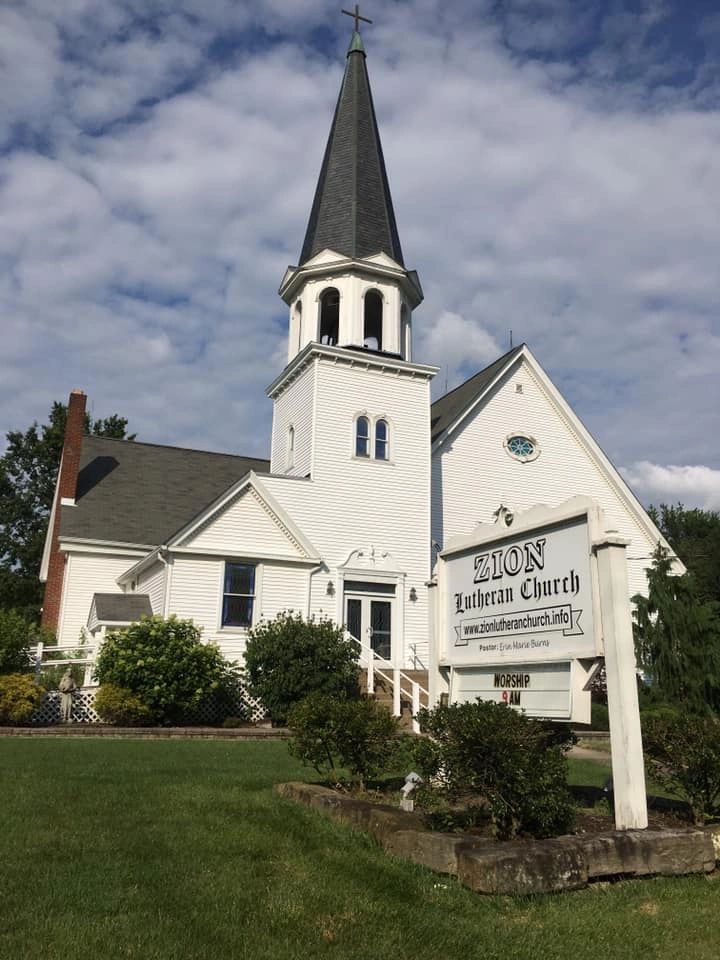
527	597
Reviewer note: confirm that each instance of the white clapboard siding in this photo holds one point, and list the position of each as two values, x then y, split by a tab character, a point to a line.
196	594
85	575
294	407
152	582
244	528
354	503
283	589
473	474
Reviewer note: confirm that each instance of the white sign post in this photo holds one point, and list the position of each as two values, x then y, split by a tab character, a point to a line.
521	615
625	734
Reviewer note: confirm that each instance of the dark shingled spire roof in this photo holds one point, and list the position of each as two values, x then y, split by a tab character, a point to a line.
352	212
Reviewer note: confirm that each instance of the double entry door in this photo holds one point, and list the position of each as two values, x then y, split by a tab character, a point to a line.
369	614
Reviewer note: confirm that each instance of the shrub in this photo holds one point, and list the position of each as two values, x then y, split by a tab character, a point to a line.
682	753
356	734
118	705
515	764
289	658
167	666
20	697
599	716
16	635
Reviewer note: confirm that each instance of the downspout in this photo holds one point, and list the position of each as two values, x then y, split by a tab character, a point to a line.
311	574
162	557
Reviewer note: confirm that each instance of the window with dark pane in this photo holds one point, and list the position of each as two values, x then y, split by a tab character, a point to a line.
362	437
330	316
238	595
373	320
381	440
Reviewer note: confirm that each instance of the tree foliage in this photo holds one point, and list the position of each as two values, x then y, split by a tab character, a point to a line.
289	658
677	638
165	664
28	471
695	536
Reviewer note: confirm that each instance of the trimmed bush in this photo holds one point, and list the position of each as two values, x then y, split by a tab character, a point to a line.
330	733
20	697
122	707
682	754
289	658
515	765
167	666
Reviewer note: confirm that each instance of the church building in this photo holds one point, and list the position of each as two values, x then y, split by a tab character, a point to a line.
367	478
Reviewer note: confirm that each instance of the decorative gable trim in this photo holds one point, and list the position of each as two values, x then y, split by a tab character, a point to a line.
268	503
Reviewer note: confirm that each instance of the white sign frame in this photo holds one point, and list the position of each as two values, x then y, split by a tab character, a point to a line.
610	635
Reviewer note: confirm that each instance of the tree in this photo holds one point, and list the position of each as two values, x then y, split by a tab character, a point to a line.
28	471
677	638
695	536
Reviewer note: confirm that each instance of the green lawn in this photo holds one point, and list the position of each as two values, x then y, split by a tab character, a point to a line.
179	850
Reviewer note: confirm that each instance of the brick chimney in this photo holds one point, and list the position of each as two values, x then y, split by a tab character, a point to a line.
64	498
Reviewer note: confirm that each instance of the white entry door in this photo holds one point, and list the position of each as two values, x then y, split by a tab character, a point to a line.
369	614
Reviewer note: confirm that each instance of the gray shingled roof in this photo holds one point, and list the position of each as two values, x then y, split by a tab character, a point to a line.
445	411
352	212
121	607
132	492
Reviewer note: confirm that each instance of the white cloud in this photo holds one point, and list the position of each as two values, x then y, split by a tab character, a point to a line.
157	194
694	486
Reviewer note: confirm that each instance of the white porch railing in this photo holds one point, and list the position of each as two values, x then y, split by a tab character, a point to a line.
44	656
402	685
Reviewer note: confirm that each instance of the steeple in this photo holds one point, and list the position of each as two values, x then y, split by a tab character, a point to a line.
351	289
352	212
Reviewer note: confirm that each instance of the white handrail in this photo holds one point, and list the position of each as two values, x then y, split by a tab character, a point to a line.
402	684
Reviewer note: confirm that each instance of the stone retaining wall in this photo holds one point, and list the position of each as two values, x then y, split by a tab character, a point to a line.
521	866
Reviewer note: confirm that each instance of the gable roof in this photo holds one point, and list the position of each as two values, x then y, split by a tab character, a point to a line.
449	411
352	212
445	411
142	493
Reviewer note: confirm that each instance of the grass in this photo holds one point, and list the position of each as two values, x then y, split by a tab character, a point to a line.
179	849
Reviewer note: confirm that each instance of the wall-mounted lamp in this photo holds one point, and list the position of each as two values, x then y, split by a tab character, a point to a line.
330	589
413	594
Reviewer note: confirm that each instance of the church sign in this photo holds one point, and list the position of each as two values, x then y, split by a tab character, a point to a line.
523	612
521	597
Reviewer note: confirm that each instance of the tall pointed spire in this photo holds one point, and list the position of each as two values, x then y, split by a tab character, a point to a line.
352	212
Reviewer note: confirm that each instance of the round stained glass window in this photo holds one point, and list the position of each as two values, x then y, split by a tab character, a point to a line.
522	447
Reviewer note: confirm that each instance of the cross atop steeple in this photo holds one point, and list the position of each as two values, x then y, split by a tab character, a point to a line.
356	15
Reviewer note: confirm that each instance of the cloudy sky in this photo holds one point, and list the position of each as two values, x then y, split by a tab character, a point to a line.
555	169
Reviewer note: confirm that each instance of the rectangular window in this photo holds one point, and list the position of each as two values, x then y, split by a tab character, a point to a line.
238	595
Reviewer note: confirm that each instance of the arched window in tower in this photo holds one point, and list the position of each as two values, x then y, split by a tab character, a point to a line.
298	325
372	330
291	447
405	347
382	440
329	316
362	437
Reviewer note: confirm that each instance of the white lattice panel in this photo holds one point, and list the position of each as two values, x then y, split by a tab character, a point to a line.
83	710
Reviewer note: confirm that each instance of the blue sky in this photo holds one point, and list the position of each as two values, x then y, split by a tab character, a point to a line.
555	168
